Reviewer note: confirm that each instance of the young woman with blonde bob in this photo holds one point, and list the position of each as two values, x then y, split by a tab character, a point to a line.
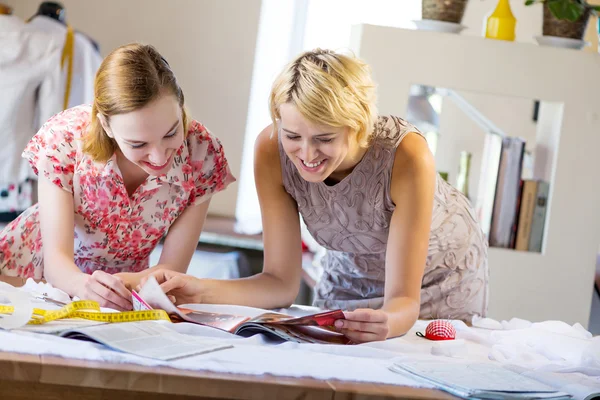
114	179
402	243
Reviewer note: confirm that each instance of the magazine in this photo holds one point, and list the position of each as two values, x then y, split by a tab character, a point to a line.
245	321
150	339
476	380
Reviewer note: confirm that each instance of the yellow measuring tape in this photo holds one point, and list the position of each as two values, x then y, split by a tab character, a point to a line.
88	310
67	56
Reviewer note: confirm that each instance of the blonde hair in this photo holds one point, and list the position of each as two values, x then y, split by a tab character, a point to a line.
328	89
129	78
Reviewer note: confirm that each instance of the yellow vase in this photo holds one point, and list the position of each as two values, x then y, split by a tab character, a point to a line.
502	23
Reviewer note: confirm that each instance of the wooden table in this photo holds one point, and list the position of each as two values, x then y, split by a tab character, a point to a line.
44	377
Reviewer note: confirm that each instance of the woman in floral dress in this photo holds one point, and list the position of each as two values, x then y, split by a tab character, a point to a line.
125	172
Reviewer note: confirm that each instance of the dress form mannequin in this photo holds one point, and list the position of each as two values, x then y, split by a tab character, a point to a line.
53	10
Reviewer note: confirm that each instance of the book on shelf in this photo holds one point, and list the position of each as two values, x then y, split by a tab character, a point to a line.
528	227
515	225
487	181
538	222
507	193
528	196
245	321
532	215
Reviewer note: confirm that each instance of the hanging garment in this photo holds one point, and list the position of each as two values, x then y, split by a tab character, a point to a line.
29	87
85	58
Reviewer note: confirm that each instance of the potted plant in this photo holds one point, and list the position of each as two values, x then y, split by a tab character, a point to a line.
444	10
565	18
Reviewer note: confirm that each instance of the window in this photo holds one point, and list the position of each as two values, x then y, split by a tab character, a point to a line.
329	22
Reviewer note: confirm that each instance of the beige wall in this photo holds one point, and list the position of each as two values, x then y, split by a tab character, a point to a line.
210	45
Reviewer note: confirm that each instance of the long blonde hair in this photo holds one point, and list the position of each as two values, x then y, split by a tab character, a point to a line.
329	89
129	78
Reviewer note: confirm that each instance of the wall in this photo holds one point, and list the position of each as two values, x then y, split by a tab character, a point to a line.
210	45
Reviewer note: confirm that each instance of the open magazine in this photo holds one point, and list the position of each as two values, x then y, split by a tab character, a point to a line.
314	328
150	339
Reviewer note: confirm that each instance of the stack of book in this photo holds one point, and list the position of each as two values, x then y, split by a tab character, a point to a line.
514	215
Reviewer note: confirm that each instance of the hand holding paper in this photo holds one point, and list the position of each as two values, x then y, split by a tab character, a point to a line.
182	288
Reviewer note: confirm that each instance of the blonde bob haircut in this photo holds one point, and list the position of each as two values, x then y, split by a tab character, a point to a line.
328	89
128	79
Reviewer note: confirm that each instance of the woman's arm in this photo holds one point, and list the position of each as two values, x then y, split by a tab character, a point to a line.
278	284
179	246
412	190
57	228
16	281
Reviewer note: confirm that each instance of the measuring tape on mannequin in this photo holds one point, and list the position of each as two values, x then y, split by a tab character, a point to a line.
89	310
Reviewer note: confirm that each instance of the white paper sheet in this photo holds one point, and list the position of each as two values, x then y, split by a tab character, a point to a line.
154	296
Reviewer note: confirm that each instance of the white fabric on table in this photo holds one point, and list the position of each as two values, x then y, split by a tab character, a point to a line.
250	356
563	356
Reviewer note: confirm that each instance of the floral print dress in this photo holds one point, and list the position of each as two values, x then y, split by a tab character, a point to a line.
114	232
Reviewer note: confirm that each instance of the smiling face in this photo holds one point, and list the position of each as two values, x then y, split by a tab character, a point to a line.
316	151
149	137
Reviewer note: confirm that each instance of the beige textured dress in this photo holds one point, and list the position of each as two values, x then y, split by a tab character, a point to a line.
351	220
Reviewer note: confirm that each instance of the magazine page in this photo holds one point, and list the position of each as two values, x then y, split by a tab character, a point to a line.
245	311
293	333
149	339
151	295
246	321
578	385
275	324
226	322
326	318
312	328
61	325
479	380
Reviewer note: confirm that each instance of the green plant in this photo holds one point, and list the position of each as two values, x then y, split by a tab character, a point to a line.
570	10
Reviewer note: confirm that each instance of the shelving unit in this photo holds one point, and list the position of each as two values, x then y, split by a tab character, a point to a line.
557	283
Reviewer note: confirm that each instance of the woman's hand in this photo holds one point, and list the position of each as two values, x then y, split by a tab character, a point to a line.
364	325
108	290
181	288
129	279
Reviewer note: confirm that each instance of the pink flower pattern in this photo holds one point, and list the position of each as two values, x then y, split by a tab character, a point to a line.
114	232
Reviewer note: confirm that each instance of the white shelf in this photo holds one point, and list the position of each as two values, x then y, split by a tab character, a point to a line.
558	283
